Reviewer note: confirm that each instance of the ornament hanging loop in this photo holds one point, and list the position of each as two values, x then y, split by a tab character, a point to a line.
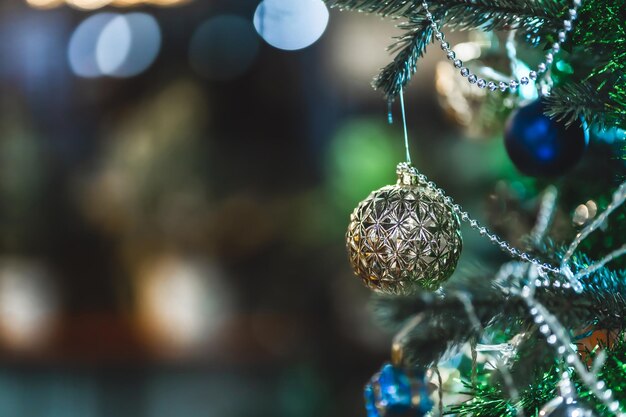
407	175
390	121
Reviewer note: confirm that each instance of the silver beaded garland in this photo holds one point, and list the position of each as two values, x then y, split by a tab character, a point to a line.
559	407
513	84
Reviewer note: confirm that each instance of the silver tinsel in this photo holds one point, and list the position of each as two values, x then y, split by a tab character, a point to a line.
559	407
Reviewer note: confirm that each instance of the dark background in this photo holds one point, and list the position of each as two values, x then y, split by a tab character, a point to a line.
172	244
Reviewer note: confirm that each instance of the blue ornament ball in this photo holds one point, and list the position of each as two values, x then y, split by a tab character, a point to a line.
540	146
393	392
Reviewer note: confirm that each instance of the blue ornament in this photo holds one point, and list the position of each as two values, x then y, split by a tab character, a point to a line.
540	146
392	392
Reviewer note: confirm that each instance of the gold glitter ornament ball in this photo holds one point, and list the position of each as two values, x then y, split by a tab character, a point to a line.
404	237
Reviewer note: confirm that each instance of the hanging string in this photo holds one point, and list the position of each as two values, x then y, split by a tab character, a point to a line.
406	132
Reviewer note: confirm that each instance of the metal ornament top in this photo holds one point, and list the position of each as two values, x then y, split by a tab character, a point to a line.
514	83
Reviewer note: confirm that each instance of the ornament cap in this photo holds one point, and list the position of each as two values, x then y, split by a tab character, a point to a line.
407	174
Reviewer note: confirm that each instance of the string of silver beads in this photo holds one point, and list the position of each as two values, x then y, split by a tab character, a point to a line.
483	231
556	336
513	84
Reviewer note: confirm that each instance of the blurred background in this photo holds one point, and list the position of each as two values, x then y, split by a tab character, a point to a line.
175	182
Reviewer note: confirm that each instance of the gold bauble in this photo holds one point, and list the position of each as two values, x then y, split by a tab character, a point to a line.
478	112
404	237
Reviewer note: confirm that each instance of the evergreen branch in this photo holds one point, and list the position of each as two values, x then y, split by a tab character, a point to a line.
597	91
575	100
394	8
572	101
533	356
526	15
529	16
410	47
603	35
489	397
445	324
461	9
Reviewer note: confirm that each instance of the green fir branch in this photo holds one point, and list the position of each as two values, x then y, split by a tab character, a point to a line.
490	399
601	33
394	8
444	323
597	90
574	101
528	16
525	16
483	10
410	47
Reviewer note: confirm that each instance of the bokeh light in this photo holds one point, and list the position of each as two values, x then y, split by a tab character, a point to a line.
44	4
88	4
361	158
97	4
28	304
289	24
83	43
114	45
128	45
223	47
182	302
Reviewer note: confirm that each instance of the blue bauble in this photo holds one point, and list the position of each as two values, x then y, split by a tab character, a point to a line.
540	146
392	392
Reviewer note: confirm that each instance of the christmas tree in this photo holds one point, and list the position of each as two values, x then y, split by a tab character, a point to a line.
542	333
